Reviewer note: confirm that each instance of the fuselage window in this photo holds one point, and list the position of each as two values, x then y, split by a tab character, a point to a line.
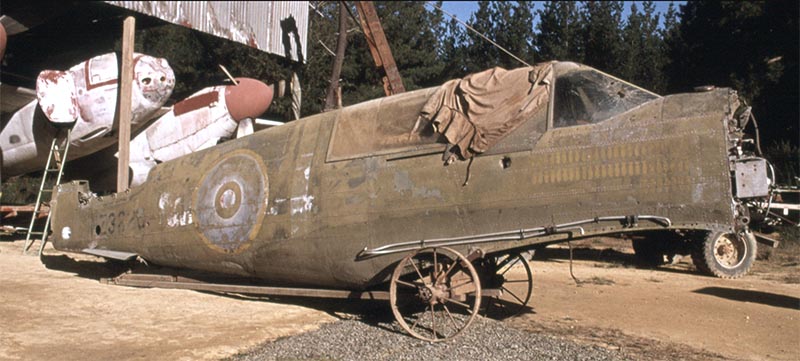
100	70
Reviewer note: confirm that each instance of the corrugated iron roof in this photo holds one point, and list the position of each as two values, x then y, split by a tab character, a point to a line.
277	27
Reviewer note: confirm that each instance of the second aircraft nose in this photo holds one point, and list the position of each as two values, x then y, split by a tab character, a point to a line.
249	99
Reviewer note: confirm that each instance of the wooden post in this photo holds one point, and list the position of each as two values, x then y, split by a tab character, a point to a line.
124	108
341	45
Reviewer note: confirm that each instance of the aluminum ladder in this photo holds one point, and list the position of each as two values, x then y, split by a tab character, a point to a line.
55	164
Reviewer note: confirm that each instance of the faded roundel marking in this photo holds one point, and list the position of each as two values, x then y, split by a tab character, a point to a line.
230	202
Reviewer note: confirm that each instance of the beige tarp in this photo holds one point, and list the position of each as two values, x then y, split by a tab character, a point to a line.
475	112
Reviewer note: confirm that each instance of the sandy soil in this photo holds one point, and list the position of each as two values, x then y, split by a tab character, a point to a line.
672	308
59	310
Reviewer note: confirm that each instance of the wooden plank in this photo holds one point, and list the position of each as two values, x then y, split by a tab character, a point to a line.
362	19
376	39
166	282
124	108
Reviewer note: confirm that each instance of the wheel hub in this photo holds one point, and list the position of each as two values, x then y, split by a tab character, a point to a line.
497	281
433	294
426	294
726	251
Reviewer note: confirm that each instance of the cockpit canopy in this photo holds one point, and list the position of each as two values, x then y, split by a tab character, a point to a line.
580	95
584	95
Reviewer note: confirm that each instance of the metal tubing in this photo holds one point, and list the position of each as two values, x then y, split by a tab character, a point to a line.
514	235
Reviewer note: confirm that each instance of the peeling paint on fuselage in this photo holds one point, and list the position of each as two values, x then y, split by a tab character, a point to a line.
174	212
403	185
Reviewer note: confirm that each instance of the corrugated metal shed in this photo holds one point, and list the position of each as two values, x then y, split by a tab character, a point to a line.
277	27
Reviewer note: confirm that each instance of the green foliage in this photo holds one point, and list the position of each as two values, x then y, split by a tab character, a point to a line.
21	190
559	35
322	34
411	32
602	36
452	49
785	157
642	59
508	24
752	47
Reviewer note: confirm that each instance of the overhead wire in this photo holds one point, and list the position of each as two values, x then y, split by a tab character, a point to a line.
316	10
478	33
483	36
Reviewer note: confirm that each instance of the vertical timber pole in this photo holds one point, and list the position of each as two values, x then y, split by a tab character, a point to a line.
124	109
341	46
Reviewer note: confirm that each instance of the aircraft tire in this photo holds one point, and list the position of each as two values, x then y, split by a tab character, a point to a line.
724	255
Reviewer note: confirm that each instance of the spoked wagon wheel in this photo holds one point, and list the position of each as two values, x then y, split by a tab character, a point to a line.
511	276
435	293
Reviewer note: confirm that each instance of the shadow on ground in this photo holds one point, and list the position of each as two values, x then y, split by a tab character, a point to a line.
764	298
376	313
84	268
610	258
586	254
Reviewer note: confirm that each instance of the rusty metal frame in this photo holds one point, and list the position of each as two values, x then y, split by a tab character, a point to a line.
10	211
513	235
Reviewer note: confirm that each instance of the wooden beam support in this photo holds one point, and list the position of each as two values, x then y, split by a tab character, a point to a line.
124	108
379	47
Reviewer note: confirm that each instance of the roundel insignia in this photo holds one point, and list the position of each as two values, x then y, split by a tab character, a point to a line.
231	202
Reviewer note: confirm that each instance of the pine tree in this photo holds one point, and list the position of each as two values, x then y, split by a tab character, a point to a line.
514	32
559	35
602	35
321	40
480	53
670	36
749	46
510	25
633	43
452	49
642	50
651	72
411	33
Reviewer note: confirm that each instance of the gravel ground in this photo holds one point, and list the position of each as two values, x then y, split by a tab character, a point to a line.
369	339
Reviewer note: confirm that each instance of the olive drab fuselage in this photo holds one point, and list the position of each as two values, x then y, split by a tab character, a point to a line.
295	204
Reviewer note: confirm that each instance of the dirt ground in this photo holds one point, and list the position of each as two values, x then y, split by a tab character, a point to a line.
672	308
59	310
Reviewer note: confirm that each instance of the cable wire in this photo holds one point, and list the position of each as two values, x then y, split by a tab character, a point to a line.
479	33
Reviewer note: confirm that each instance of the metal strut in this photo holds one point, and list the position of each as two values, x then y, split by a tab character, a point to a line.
58	160
513	235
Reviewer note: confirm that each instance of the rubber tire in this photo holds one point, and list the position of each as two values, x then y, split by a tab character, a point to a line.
649	252
705	261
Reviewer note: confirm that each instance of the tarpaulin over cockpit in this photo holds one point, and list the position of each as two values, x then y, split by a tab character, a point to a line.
477	111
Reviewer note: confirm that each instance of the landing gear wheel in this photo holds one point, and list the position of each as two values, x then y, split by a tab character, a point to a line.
516	284
725	255
435	294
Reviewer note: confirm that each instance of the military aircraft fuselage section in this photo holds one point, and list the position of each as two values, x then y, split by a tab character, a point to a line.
297	203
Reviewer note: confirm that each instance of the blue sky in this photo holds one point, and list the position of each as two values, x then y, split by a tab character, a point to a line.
463	9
